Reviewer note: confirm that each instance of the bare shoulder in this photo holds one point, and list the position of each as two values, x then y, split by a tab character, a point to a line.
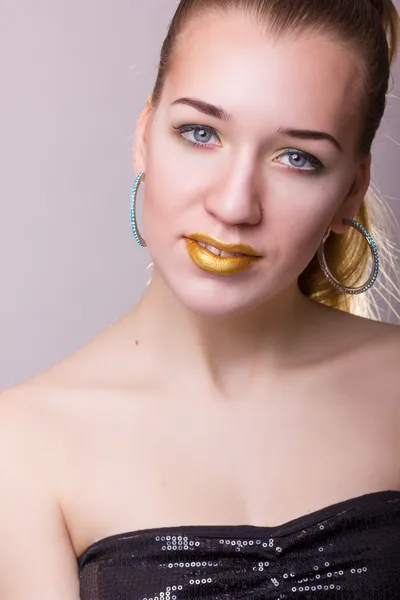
385	337
357	330
51	406
374	360
18	407
30	427
358	352
377	341
34	539
37	419
27	411
385	351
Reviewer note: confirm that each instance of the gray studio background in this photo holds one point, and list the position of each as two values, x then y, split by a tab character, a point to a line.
74	77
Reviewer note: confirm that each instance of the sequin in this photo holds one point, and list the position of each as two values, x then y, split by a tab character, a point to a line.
355	554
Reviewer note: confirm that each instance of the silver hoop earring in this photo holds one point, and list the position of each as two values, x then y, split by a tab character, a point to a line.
135	228
375	262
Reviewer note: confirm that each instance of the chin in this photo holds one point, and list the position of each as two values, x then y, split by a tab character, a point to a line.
213	310
210	300
212	295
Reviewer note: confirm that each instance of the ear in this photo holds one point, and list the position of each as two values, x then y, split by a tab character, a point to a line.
141	135
355	197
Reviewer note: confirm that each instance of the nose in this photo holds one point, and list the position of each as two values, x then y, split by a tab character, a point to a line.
235	198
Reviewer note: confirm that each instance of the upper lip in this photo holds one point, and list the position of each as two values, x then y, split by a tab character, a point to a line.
223	246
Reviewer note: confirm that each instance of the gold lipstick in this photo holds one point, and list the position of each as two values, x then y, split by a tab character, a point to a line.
214	256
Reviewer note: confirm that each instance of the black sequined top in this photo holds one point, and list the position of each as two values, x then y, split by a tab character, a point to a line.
348	551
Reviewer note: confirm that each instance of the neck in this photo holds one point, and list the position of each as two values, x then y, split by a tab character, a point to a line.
221	352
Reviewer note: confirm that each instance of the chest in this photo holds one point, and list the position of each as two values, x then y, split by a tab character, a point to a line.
267	465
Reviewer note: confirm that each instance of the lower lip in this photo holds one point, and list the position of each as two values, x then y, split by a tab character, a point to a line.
227	265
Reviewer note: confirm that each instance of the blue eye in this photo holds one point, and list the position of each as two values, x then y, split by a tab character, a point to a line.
198	135
205	136
301	161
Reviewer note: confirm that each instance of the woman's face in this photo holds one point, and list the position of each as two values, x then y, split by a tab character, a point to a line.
254	142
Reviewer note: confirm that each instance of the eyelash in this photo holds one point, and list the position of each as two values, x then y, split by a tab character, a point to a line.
315	162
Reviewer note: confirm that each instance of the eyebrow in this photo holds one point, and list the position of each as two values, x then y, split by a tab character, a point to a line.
205	107
309	134
219	113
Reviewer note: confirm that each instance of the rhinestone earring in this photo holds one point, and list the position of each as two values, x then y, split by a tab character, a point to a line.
134	225
375	262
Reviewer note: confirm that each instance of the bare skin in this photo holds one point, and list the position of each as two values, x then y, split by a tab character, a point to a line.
207	408
114	450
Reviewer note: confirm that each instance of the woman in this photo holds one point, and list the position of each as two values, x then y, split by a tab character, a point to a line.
244	430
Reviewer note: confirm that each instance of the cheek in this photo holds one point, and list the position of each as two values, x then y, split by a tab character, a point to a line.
161	189
297	213
174	189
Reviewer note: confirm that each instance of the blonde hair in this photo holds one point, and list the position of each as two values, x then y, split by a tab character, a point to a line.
371	27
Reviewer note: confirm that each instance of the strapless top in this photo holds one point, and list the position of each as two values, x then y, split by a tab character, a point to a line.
348	551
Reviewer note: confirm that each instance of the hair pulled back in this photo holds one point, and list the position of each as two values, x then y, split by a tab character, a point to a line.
370	28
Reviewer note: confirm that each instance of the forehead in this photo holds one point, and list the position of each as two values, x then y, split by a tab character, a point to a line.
308	79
